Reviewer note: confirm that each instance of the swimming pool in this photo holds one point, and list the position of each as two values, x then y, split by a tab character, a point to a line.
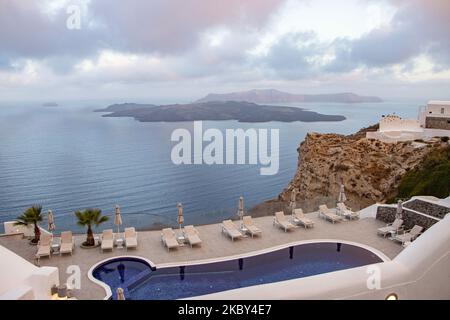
142	281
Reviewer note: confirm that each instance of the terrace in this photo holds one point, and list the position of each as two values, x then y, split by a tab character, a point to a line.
215	245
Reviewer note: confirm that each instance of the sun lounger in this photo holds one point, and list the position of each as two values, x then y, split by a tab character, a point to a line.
107	240
391	227
191	235
44	245
327	214
67	243
281	221
230	229
169	238
299	218
345	211
131	240
409	235
247	221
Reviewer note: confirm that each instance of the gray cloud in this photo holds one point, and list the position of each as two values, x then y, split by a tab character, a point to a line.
292	56
136	26
419	27
27	32
173	26
175	35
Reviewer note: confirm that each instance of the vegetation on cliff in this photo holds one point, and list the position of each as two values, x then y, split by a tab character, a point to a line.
431	177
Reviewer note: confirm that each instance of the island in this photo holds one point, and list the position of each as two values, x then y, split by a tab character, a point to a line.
276	96
215	110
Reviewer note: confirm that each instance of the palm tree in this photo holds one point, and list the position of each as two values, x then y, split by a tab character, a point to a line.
88	218
31	216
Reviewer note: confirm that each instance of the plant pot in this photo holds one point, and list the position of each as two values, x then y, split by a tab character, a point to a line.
83	246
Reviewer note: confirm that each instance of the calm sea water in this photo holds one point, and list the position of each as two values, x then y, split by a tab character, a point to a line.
69	158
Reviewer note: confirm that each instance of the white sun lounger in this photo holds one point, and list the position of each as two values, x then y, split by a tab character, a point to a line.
281	221
169	238
345	211
230	229
67	243
192	236
299	218
327	214
44	245
409	235
107	240
247	221
131	240
391	227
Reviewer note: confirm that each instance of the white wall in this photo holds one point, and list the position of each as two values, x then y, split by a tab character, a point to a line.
28	231
20	279
13	269
436	110
394	123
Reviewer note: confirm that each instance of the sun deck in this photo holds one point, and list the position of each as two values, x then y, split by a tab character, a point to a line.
215	245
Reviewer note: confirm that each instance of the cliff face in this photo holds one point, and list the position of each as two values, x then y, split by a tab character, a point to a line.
369	169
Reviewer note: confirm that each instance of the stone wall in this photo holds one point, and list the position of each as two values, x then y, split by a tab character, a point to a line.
430	209
437	123
410	218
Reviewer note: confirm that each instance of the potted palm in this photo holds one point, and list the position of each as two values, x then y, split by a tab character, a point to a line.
90	217
31	216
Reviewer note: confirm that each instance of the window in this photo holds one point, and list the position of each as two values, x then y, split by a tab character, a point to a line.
442	110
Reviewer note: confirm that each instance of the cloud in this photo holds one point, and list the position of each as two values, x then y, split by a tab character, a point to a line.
29	29
294	56
245	44
174	26
418	27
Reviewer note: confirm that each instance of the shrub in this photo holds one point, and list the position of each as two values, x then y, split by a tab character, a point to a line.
431	177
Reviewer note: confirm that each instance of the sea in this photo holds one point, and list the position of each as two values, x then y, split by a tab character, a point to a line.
69	158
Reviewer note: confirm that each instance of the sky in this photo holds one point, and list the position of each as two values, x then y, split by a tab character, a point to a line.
178	51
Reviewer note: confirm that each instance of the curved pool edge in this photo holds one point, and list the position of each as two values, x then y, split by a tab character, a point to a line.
108	291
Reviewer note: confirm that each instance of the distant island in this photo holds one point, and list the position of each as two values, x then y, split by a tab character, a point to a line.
50	104
276	96
216	110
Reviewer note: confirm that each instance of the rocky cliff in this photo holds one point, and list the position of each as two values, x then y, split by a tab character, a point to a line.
370	170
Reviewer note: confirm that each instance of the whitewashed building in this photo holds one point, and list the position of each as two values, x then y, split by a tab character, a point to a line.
433	121
436	115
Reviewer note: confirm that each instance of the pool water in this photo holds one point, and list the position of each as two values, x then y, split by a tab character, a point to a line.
143	282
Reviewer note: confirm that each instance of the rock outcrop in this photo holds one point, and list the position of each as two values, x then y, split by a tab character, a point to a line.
370	170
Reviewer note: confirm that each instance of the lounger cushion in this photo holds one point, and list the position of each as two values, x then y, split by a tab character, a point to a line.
107	243
43	251
171	242
386	229
66	248
131	242
253	229
305	221
193	239
231	229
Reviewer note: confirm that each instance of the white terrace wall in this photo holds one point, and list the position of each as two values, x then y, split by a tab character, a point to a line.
19	279
28	231
393	123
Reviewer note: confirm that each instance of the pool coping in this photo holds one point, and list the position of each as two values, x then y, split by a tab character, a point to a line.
108	291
